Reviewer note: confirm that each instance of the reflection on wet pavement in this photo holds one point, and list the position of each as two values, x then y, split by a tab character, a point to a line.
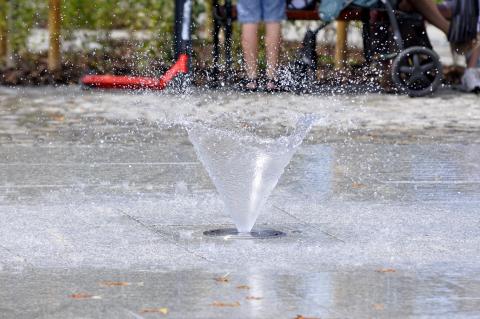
439	172
381	293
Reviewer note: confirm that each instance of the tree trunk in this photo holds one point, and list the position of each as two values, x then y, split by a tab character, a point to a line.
54	21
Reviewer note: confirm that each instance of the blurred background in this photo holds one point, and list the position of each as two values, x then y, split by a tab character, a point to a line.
135	37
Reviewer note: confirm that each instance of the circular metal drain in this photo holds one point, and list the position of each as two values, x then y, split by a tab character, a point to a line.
232	233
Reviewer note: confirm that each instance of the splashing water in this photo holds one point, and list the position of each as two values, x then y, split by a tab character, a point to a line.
244	168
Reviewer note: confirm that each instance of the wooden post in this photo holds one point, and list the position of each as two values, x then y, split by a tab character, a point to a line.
3	31
54	57
341	44
209	18
8	57
3	39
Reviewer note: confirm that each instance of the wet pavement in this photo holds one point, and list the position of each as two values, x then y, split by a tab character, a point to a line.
103	204
249	294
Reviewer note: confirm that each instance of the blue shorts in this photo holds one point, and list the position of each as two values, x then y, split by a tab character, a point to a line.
254	11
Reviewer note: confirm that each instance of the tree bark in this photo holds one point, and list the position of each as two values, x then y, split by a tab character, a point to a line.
54	21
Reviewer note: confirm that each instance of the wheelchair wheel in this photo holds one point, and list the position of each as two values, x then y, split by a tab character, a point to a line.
417	71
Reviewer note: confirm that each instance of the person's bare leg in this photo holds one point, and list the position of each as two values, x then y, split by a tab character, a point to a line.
250	48
475	55
429	10
272	44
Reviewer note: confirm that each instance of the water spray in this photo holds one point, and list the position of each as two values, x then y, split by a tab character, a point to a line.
245	168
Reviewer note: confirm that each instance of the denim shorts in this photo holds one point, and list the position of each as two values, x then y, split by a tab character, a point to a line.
254	11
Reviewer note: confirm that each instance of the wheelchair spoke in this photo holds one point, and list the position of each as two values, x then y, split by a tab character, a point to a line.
416	60
406	69
428	66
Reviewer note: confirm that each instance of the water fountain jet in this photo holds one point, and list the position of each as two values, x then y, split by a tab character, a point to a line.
244	168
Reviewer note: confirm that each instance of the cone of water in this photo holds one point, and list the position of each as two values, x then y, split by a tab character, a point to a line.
244	167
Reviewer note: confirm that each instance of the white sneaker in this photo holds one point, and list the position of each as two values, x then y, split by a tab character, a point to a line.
471	80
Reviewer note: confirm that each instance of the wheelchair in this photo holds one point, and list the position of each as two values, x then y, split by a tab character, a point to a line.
389	36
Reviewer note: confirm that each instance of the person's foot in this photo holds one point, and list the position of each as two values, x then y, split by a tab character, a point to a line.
248	85
471	80
272	86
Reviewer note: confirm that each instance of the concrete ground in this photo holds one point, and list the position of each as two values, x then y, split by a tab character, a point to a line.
103	204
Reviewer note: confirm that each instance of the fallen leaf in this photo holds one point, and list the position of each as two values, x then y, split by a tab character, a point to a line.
155	310
358	185
114	283
243	287
253	298
222	279
384	270
82	295
378	306
226	304
57	117
302	317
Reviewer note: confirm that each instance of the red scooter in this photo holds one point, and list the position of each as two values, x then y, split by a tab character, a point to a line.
183	16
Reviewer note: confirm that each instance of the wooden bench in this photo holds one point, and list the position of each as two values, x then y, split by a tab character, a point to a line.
225	14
